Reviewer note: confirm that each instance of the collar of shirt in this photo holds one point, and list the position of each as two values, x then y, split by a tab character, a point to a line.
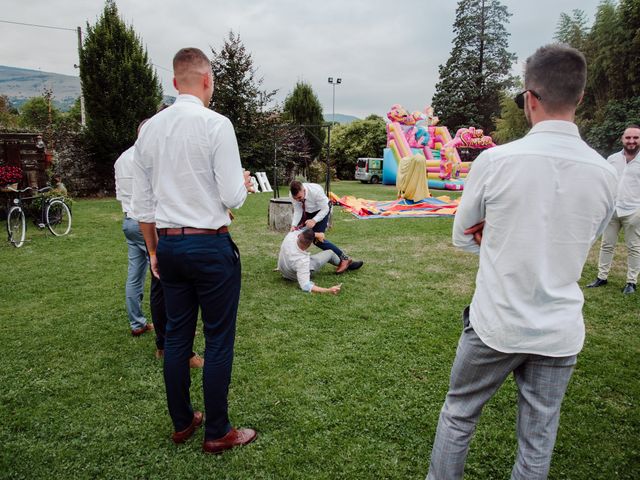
186	97
555	126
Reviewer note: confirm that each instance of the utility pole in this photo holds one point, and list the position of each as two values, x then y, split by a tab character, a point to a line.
83	118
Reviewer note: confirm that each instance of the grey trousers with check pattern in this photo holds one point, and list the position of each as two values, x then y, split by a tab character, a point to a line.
477	373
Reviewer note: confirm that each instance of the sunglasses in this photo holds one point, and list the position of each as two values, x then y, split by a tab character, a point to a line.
519	99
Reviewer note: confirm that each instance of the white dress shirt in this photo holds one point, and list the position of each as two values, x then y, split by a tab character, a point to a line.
124	179
628	198
294	263
545	199
187	169
315	201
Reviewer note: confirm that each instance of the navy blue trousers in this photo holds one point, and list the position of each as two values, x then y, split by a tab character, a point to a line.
320	227
199	272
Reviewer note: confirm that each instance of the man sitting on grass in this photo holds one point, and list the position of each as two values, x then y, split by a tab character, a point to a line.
295	263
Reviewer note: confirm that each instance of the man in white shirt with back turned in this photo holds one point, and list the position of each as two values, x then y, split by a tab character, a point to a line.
531	209
187	174
627	214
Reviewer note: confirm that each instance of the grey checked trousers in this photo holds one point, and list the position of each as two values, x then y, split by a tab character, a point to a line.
477	373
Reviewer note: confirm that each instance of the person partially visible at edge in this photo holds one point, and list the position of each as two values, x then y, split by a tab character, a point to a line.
311	209
627	213
297	264
187	174
531	209
136	249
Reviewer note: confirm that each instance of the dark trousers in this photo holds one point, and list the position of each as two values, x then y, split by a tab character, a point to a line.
320	227
158	311
199	272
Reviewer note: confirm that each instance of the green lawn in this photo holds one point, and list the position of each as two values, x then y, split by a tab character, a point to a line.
344	387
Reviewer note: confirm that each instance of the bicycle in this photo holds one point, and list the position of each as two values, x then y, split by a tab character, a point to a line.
54	214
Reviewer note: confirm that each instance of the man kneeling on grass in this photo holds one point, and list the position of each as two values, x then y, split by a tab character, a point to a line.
295	263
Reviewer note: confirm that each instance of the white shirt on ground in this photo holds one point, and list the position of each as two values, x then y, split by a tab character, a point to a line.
545	199
628	197
294	263
187	169
315	201
124	179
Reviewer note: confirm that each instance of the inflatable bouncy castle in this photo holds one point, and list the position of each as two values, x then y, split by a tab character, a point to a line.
417	137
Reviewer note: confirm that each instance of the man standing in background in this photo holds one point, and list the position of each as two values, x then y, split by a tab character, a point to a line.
627	214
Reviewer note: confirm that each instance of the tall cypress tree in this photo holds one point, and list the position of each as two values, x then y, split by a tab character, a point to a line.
302	107
468	93
238	96
120	89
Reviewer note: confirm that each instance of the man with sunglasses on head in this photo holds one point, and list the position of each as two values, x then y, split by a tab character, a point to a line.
627	214
531	209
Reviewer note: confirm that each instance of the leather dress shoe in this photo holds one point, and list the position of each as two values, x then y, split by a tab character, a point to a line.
159	353
629	288
598	282
235	438
355	265
139	331
187	433
344	264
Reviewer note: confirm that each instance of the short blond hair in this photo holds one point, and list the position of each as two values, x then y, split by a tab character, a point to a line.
190	59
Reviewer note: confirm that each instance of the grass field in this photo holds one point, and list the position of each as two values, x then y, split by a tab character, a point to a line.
339	387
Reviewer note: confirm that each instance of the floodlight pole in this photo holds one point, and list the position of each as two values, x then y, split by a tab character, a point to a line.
338	81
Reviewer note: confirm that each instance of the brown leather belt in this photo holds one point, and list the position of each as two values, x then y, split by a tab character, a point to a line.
192	231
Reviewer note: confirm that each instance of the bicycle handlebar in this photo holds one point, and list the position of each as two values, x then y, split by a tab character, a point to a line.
40	190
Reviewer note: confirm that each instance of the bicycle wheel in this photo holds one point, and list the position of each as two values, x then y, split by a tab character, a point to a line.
58	217
16	226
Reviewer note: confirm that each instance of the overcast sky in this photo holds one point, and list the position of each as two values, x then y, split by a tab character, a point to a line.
385	52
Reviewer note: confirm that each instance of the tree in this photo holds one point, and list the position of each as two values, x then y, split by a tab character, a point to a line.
360	138
572	29
8	113
238	96
468	93
120	88
38	113
302	107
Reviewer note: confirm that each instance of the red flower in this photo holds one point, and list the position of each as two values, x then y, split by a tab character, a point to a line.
10	175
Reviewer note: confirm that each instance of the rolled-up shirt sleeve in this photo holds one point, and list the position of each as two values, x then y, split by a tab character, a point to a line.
227	168
297	212
303	274
471	210
142	200
323	212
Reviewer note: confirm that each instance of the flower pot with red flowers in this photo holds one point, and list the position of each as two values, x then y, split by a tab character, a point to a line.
9	178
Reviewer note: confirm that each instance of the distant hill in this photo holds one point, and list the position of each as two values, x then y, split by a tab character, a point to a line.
21	84
340	118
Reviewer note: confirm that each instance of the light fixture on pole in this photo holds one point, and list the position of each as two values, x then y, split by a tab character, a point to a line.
338	81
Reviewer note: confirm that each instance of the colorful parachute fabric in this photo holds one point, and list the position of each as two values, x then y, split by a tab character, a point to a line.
428	207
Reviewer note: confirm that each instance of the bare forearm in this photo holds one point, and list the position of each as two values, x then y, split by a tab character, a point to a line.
150	236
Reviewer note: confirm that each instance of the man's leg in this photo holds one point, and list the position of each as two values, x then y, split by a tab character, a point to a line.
542	382
217	281
609	240
321	227
477	373
176	267
319	260
136	272
631	225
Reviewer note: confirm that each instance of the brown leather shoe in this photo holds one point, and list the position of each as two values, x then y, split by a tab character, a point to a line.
344	264
196	361
235	438
187	433
159	353
139	331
